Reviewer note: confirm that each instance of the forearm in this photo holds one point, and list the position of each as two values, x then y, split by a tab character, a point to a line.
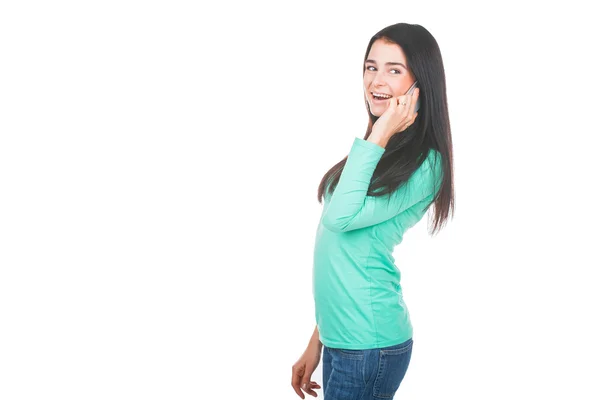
314	340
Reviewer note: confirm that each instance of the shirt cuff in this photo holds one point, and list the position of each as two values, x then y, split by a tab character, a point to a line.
368	145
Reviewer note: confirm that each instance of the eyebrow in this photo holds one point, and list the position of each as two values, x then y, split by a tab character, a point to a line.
387	63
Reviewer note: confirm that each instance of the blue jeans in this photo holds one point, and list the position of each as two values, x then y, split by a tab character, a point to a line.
371	374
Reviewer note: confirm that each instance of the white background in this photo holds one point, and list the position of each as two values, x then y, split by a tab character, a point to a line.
159	164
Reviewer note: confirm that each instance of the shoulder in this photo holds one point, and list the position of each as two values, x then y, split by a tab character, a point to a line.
432	170
433	160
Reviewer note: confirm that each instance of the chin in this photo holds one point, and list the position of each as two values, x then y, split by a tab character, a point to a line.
376	112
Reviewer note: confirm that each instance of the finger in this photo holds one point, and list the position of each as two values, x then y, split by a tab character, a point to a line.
392	105
402	102
308	389
410	105
299	392
296	378
413	104
403	108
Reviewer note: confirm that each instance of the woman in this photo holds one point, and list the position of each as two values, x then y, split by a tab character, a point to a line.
381	189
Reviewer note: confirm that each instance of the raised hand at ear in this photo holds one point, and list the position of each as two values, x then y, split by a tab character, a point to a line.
399	115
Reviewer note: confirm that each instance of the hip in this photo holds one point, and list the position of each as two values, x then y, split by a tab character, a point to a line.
368	374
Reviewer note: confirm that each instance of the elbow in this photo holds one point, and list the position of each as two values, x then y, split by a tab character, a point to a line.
334	225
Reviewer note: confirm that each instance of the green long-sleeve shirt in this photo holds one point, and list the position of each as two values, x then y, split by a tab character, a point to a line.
356	284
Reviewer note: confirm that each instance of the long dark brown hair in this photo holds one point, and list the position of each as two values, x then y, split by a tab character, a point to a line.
406	151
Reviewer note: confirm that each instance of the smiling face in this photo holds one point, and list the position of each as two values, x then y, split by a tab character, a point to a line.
386	73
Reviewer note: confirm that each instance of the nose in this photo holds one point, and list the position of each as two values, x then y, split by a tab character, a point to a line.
378	79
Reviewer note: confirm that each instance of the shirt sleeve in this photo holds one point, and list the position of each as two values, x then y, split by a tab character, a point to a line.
350	208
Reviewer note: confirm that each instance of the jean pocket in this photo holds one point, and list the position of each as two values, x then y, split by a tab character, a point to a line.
393	363
351	354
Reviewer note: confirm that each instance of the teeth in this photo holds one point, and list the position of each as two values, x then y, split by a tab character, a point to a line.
383	96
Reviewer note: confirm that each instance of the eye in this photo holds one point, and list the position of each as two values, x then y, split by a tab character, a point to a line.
372	68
